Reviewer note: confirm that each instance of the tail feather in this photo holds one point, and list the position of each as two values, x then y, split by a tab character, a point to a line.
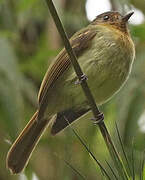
24	145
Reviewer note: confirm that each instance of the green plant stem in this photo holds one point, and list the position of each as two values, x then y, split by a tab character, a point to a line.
114	154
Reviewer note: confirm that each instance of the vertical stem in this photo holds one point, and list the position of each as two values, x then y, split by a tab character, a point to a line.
112	150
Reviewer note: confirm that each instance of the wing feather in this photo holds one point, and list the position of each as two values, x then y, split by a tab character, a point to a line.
79	42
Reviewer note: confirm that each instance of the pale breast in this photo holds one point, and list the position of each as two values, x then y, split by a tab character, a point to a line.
109	65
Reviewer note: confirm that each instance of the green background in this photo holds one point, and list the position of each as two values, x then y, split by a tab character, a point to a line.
29	41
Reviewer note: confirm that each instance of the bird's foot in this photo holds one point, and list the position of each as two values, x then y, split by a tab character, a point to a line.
83	78
99	119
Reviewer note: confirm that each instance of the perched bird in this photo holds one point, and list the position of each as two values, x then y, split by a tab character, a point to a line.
105	52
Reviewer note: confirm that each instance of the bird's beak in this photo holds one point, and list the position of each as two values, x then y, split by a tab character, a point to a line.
127	17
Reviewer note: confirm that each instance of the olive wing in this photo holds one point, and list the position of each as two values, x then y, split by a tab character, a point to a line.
79	42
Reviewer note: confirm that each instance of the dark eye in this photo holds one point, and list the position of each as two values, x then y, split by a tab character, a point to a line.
106	17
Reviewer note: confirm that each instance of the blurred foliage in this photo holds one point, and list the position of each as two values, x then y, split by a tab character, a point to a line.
28	43
140	4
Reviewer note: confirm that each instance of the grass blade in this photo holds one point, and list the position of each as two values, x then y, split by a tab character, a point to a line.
123	149
71	166
88	150
141	166
74	169
92	155
111	169
132	159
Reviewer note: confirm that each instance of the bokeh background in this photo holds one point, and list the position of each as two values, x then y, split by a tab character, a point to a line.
29	41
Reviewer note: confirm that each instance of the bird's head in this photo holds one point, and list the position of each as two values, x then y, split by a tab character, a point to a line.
114	19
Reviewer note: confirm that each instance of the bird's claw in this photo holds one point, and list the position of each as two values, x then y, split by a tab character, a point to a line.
83	78
99	119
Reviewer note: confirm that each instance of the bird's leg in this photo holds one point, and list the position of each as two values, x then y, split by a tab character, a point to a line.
99	119
83	78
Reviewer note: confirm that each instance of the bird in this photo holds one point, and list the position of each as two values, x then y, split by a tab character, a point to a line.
105	52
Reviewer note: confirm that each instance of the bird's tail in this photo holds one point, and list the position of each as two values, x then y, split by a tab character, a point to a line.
24	145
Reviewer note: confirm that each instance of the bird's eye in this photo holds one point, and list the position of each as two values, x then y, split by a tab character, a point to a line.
106	17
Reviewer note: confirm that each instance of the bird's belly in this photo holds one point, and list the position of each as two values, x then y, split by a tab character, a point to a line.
105	79
107	84
107	70
103	84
